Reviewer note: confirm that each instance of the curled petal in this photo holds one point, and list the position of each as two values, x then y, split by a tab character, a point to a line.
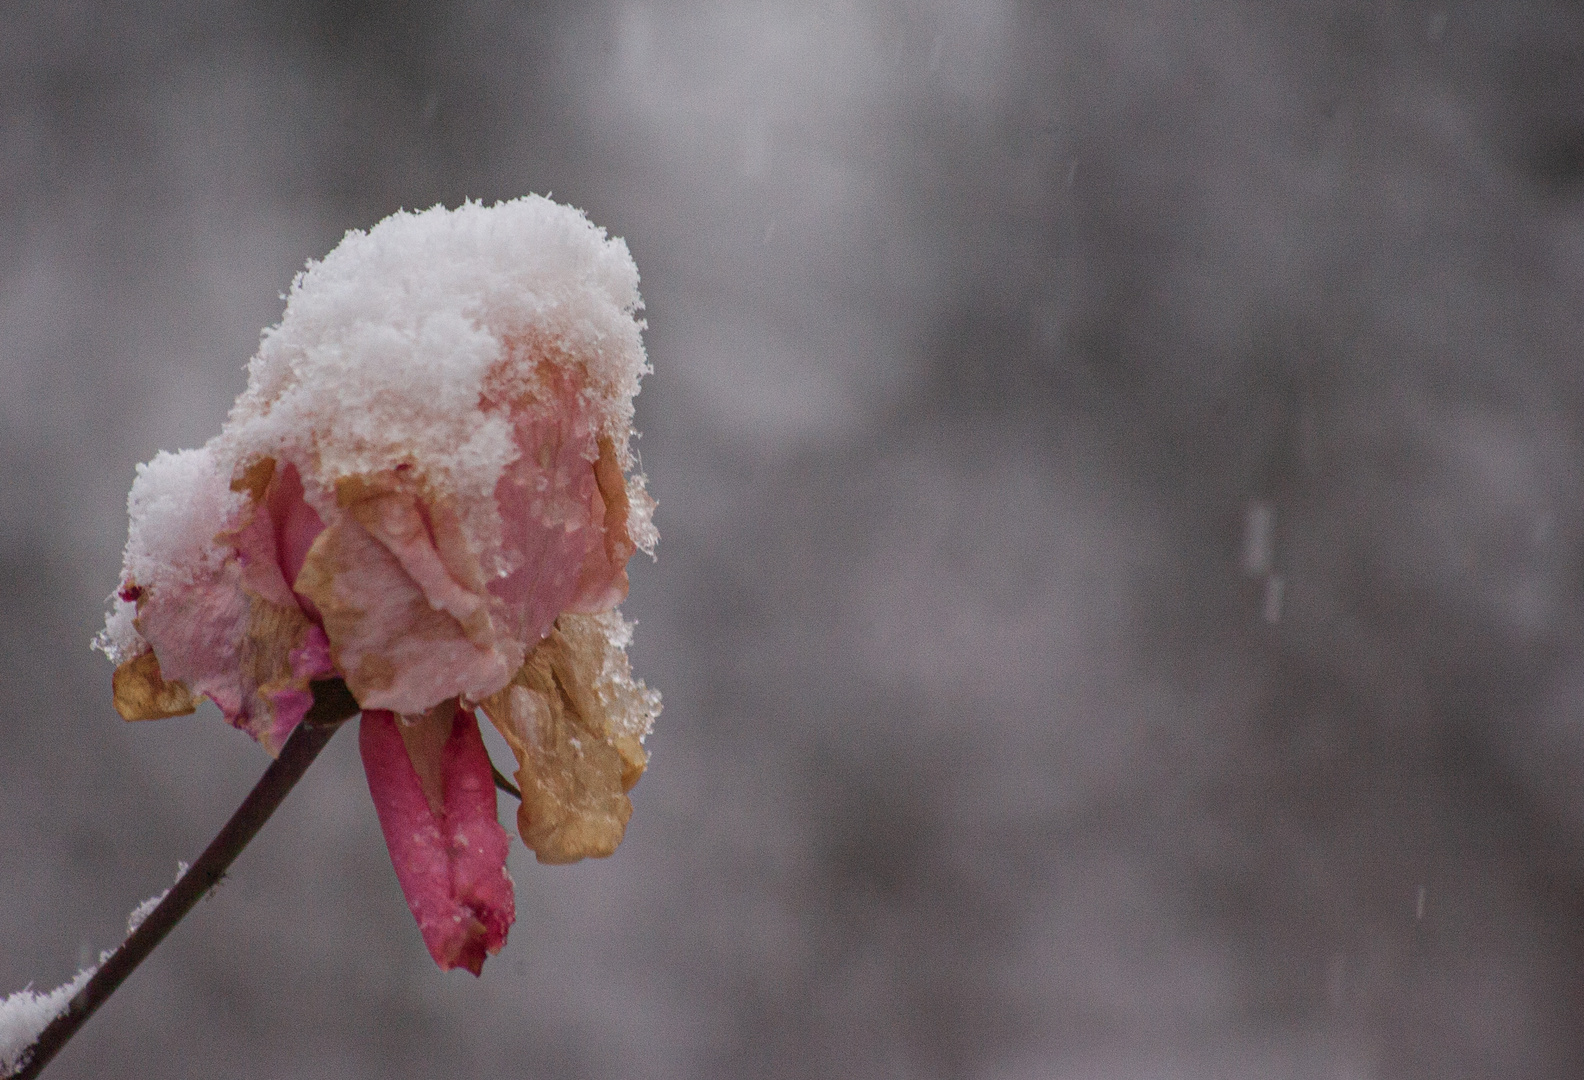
404	632
196	630
435	797
141	692
602	580
431	557
251	657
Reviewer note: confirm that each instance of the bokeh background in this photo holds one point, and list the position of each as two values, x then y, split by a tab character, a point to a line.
1120	603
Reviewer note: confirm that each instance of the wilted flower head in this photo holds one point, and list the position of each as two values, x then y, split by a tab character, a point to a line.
427	491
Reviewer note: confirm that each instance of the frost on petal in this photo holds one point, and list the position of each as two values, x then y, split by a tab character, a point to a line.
402	601
435	795
177	506
576	720
386	345
120	640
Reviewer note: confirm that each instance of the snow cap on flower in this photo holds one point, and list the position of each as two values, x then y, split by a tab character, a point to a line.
426	490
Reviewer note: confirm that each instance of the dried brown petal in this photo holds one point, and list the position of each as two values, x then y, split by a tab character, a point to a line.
141	693
578	752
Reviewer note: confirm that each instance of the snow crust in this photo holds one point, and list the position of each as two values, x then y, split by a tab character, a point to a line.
406	347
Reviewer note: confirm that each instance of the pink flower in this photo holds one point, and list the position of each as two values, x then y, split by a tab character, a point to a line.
423	492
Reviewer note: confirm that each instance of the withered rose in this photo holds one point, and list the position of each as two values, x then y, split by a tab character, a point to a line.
426	490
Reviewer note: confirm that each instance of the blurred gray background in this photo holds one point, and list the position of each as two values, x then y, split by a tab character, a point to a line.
1120	603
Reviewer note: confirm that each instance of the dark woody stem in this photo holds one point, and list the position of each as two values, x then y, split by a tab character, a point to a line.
332	706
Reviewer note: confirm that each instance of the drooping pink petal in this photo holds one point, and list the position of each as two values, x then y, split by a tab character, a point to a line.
451	864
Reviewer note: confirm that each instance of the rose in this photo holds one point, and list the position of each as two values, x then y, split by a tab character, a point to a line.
423	491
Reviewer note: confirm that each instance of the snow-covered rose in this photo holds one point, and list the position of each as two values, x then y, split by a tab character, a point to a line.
426	491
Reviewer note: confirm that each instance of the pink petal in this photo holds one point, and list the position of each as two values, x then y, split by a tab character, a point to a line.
451	865
398	521
237	633
197	632
555	519
290	703
296	523
398	646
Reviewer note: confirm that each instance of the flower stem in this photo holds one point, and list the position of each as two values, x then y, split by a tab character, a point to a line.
333	705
